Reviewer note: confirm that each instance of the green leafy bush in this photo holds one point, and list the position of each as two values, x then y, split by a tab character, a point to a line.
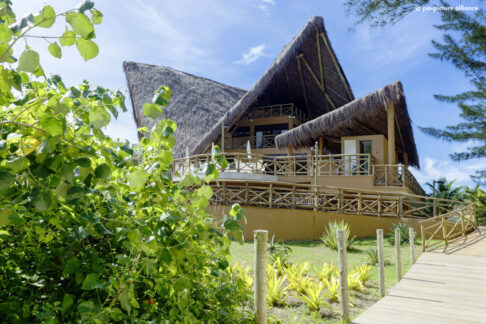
92	229
404	228
330	235
278	250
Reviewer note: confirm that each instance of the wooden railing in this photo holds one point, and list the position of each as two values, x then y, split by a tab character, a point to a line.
324	165
283	110
446	227
327	199
392	175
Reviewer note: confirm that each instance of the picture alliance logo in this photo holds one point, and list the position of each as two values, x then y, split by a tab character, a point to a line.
460	7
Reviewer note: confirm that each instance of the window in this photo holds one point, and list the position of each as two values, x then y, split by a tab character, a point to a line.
242	132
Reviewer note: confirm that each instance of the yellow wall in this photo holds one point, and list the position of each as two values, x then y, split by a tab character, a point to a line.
296	224
379	146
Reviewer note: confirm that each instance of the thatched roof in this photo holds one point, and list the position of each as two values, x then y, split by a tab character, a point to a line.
363	116
196	104
283	82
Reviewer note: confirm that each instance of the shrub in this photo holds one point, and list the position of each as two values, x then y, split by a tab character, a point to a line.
276	294
244	274
404	228
312	297
326	272
363	272
278	250
330	235
332	288
371	256
279	266
354	283
91	229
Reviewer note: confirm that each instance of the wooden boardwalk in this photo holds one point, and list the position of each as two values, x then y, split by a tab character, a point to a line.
446	285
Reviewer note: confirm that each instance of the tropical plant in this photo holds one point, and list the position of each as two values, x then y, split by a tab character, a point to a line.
354	283
299	284
312	297
404	232
446	190
92	229
330	235
332	288
279	266
371	257
477	196
363	272
326	272
244	273
278	250
276	293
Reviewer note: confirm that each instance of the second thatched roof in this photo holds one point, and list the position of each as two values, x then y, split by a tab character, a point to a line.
364	116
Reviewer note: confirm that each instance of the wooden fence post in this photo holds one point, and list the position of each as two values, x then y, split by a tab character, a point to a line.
411	238
397	253
422	235
381	261
343	275
260	285
444	230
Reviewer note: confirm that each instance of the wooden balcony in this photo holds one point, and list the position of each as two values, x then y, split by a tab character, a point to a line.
283	110
395	176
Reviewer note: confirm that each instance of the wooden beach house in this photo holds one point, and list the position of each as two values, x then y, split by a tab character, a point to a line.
302	150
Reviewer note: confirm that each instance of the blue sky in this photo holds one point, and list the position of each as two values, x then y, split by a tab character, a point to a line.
234	42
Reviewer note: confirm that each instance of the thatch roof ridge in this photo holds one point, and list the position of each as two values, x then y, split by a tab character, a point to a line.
288	53
353	114
197	103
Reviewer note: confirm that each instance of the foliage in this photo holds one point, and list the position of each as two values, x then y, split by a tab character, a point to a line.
371	256
445	190
92	229
312	297
244	274
354	283
330	235
463	39
403	228
478	197
279	266
299	283
332	288
278	250
326	272
363	272
276	294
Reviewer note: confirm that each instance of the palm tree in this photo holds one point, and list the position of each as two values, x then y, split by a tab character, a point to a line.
478	197
446	191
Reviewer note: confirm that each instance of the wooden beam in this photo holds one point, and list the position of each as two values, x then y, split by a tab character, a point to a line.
343	79
314	76
391	133
320	57
304	90
321	144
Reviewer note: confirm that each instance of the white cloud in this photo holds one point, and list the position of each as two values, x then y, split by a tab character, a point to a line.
435	169
271	2
252	55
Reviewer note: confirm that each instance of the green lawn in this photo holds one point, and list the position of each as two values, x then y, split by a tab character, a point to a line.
317	253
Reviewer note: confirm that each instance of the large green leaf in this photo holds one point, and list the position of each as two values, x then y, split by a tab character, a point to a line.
68	38
5	33
46	18
28	61
17	164
152	110
72	266
102	171
67	304
90	281
80	24
99	117
5	180
96	17
87	48
55	50
137	179
42	201
53	125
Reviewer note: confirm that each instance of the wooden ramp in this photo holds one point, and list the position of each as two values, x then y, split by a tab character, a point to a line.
446	285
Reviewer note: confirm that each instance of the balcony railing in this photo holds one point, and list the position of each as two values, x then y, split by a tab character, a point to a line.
256	142
391	175
283	110
308	165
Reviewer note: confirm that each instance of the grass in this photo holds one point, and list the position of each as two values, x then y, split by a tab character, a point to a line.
317	253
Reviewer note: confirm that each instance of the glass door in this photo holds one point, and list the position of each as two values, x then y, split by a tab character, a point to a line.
349	160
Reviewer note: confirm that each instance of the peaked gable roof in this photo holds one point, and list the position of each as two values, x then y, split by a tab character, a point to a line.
196	104
306	73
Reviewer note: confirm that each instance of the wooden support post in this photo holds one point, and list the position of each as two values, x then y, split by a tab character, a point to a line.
462	226
444	230
260	285
343	275
270	196
391	133
397	254
411	238
422	235
434	207
360	203
381	262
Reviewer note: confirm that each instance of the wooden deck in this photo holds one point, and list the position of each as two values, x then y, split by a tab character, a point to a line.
446	285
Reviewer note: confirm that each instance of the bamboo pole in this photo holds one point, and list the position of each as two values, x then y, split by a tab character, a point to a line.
381	261
343	275
260	238
397	254
411	238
